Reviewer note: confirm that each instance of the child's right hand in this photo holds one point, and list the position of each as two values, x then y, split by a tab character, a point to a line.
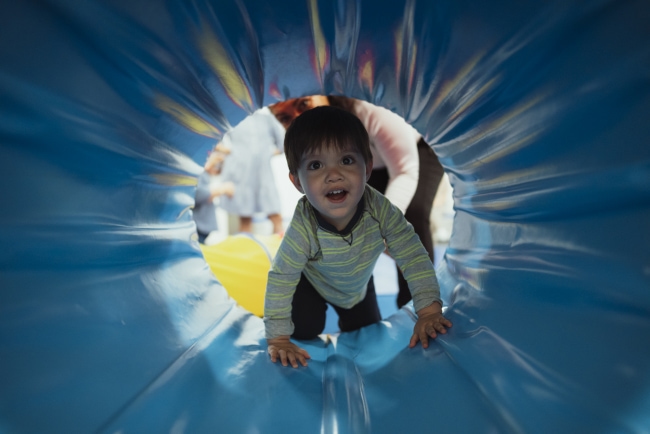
287	351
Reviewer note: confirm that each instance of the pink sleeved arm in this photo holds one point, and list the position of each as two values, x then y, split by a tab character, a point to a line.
394	147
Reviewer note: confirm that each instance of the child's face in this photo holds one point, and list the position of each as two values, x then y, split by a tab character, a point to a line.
333	181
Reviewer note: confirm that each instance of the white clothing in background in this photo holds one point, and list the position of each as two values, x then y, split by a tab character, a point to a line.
393	143
252	143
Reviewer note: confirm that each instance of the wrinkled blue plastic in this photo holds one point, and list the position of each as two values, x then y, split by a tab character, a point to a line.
110	320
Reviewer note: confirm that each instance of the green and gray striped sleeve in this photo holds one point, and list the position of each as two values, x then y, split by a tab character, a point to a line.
408	252
284	275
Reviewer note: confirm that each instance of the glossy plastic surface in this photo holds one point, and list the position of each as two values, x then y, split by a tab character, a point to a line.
111	321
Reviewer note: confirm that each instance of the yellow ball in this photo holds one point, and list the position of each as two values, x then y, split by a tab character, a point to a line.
241	263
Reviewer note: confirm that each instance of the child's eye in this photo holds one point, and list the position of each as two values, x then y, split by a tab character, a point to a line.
347	160
314	165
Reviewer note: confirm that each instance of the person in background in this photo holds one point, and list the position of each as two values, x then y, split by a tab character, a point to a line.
204	213
252	144
405	167
339	228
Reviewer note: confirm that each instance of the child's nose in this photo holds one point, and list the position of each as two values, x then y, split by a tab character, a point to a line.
333	174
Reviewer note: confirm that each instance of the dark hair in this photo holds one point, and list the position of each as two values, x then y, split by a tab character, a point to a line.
324	126
342	102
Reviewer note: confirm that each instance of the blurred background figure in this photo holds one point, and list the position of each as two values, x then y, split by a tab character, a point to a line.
252	144
207	190
405	170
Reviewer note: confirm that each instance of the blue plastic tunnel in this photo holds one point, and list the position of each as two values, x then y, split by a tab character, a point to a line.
111	321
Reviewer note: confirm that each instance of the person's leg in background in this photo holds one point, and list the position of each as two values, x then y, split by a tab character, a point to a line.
246	224
202	237
276	220
418	212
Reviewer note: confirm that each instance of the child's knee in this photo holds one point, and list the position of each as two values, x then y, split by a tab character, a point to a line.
307	334
308	327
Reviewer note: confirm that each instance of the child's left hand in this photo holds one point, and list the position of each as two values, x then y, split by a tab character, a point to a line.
430	321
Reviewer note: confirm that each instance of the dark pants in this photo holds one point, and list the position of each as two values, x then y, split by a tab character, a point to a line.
202	237
418	212
308	310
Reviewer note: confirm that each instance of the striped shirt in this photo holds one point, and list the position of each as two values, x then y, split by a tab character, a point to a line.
340	265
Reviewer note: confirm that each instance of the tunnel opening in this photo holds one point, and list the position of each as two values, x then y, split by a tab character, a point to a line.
248	287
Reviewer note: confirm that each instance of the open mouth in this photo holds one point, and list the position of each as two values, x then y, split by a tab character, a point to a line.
337	195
